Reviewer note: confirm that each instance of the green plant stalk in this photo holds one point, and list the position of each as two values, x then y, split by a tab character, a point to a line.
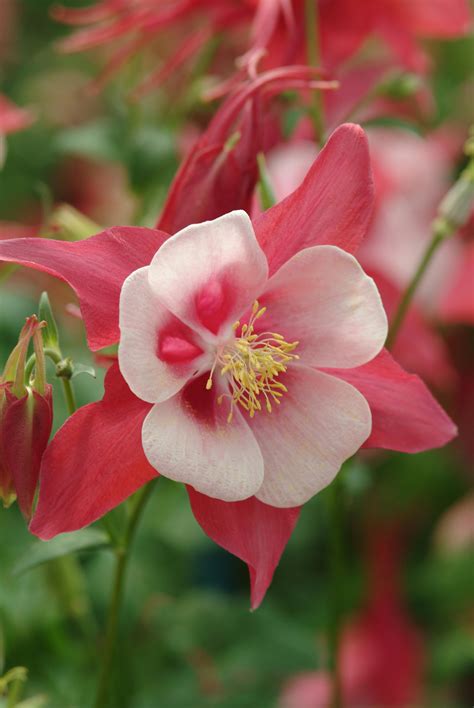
68	391
69	396
313	54
334	499
408	295
267	196
122	554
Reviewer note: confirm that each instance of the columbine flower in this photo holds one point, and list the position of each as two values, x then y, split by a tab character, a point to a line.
276	29
25	421
97	459
240	408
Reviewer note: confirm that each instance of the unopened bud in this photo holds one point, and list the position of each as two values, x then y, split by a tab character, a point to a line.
69	224
25	419
14	371
400	86
457	204
50	331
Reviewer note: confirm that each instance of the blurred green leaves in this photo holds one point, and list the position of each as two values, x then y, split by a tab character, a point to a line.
44	551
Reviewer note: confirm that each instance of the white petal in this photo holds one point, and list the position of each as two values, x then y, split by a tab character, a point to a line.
209	273
322	298
143	319
188	439
319	424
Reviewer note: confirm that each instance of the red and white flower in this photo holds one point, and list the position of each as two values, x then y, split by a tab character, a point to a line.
169	299
228	357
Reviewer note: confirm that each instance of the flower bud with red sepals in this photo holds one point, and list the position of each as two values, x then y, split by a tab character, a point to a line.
25	420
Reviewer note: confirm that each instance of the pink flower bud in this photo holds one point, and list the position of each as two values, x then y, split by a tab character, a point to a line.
25	420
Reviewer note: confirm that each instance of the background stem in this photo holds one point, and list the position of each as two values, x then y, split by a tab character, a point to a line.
313	54
407	298
336	579
122	553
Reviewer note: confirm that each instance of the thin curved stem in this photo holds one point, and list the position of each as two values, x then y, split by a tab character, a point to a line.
336	574
438	237
122	553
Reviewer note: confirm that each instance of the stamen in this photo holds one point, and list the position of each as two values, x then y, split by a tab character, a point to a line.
252	364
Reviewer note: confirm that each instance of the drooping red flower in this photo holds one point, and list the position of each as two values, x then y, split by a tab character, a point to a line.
25	421
96	459
136	25
399	23
220	172
275	28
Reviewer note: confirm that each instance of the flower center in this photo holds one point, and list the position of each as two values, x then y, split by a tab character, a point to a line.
252	363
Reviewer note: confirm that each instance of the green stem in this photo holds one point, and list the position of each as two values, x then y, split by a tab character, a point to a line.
122	556
439	235
313	54
334	500
267	195
68	391
69	396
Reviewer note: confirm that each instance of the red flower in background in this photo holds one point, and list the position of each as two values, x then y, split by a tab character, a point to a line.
275	28
381	655
12	118
220	172
399	23
96	459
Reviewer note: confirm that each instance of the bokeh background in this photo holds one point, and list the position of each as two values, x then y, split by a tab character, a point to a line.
187	637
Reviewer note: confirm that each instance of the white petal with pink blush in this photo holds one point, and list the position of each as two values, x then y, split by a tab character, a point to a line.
228	357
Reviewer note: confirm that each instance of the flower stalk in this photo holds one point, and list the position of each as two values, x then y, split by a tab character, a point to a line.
336	575
122	556
313	55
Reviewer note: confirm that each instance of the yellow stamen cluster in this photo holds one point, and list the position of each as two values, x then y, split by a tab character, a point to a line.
252	364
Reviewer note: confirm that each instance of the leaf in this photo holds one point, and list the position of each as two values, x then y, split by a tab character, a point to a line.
96	140
34	702
44	551
83	369
18	673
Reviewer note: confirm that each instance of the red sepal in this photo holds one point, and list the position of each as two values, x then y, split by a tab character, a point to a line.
405	416
95	268
332	206
94	462
254	532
